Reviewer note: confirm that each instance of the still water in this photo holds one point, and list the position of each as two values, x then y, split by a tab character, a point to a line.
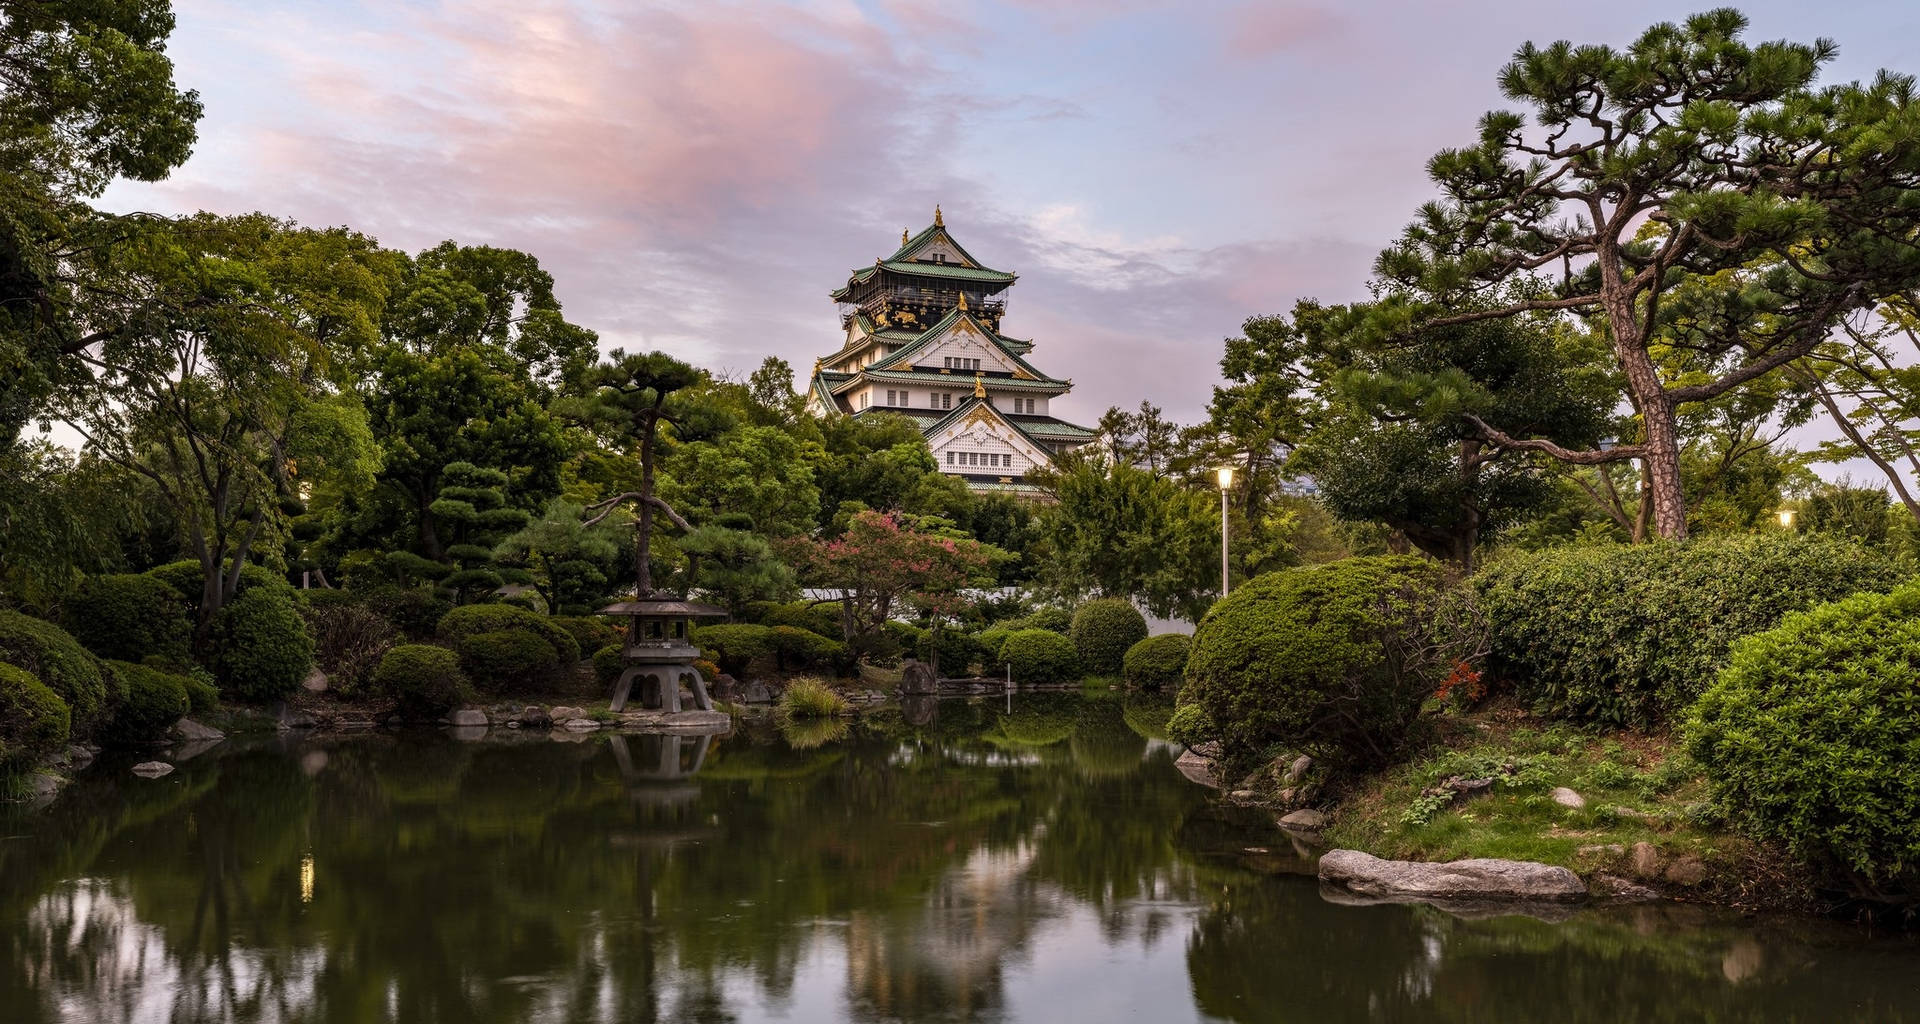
1048	865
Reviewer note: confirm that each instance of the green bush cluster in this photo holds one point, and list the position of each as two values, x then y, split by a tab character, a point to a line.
261	648
33	719
950	651
415	611
129	617
506	659
1629	635
46	652
608	663
591	632
1157	662
1052	619
425	680
1326	658
991	641
1811	735
188	579
1103	631
733	646
1040	656
823	619
349	639
494	618
155	699
794	647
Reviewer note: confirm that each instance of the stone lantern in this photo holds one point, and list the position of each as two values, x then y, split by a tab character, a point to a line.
659	652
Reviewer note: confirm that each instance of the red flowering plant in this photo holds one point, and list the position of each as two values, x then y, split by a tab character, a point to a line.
886	560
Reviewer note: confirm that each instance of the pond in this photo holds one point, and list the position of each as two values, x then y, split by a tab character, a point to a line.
1048	864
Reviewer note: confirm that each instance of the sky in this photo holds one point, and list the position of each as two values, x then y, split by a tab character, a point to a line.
698	176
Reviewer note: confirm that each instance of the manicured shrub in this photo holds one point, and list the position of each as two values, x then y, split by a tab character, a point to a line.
733	646
349	640
33	719
1058	620
906	635
203	696
1157	662
823	619
1190	726
155	700
494	618
810	697
261	649
1327	658
591	632
424	679
415	611
608	663
57	660
1628	635
707	669
188	579
990	641
951	652
799	648
128	617
1811	735
507	659
1102	632
1040	656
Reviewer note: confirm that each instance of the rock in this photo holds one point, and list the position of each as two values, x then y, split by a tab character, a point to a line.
316	681
1620	890
756	692
41	786
1602	850
1298	770
1688	870
917	678
531	717
313	762
1646	861
580	725
1288	795
723	687
1306	819
1568	798
469	717
696	721
192	731
286	717
152	769
1244	796
563	713
1197	769
1478	880
1633	815
79	756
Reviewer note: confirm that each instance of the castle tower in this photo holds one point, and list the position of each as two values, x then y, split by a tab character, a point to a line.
922	340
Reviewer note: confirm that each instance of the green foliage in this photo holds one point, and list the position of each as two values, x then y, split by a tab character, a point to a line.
951	652
506	660
991	641
187	578
1118	529
1629	635
1040	656
1190	726
810	697
734	646
465	621
415	611
1333	659
1157	662
591	632
608	663
1811	734
1102	632
50	655
155	700
203	696
128	617
424	679
571	563
799	648
762	469
349	639
33	719
737	567
1052	618
823	618
261	648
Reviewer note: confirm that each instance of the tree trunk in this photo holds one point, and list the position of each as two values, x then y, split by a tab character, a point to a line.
1662	440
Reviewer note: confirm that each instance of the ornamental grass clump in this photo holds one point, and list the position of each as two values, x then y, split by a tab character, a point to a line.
1332	659
810	697
1103	631
1811	737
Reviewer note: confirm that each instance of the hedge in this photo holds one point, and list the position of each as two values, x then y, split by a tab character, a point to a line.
1103	631
1057	620
34	721
155	700
1811	735
468	620
261	648
506	659
1325	658
591	632
800	648
733	646
1040	656
129	617
57	660
1630	635
1158	661
425	680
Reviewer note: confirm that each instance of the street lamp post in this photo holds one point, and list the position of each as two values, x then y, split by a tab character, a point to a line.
1225	475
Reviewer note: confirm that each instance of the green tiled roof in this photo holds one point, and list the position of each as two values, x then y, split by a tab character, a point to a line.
1005	345
1048	426
934	378
928	232
951	271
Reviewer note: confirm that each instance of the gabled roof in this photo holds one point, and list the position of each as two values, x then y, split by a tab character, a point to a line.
1006	345
938	229
1034	437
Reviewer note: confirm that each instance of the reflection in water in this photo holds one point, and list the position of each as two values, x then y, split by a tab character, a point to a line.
956	862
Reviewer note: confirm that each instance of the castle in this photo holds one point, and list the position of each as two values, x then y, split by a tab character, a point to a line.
922	340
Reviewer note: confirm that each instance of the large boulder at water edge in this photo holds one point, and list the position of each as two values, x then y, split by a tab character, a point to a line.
1478	880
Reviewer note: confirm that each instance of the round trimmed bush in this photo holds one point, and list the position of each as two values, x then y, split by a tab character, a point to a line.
1811	735
609	662
823	619
1327	658
1103	631
33	718
1190	726
471	619
155	700
426	680
261	648
415	610
1629	635
56	659
800	648
1158	661
1040	656
1057	620
129	617
990	641
506	659
188	579
591	632
733	646
202	695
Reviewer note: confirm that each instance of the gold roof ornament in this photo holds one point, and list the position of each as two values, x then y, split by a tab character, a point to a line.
979	386
937	222
816	366
963	301
903	236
